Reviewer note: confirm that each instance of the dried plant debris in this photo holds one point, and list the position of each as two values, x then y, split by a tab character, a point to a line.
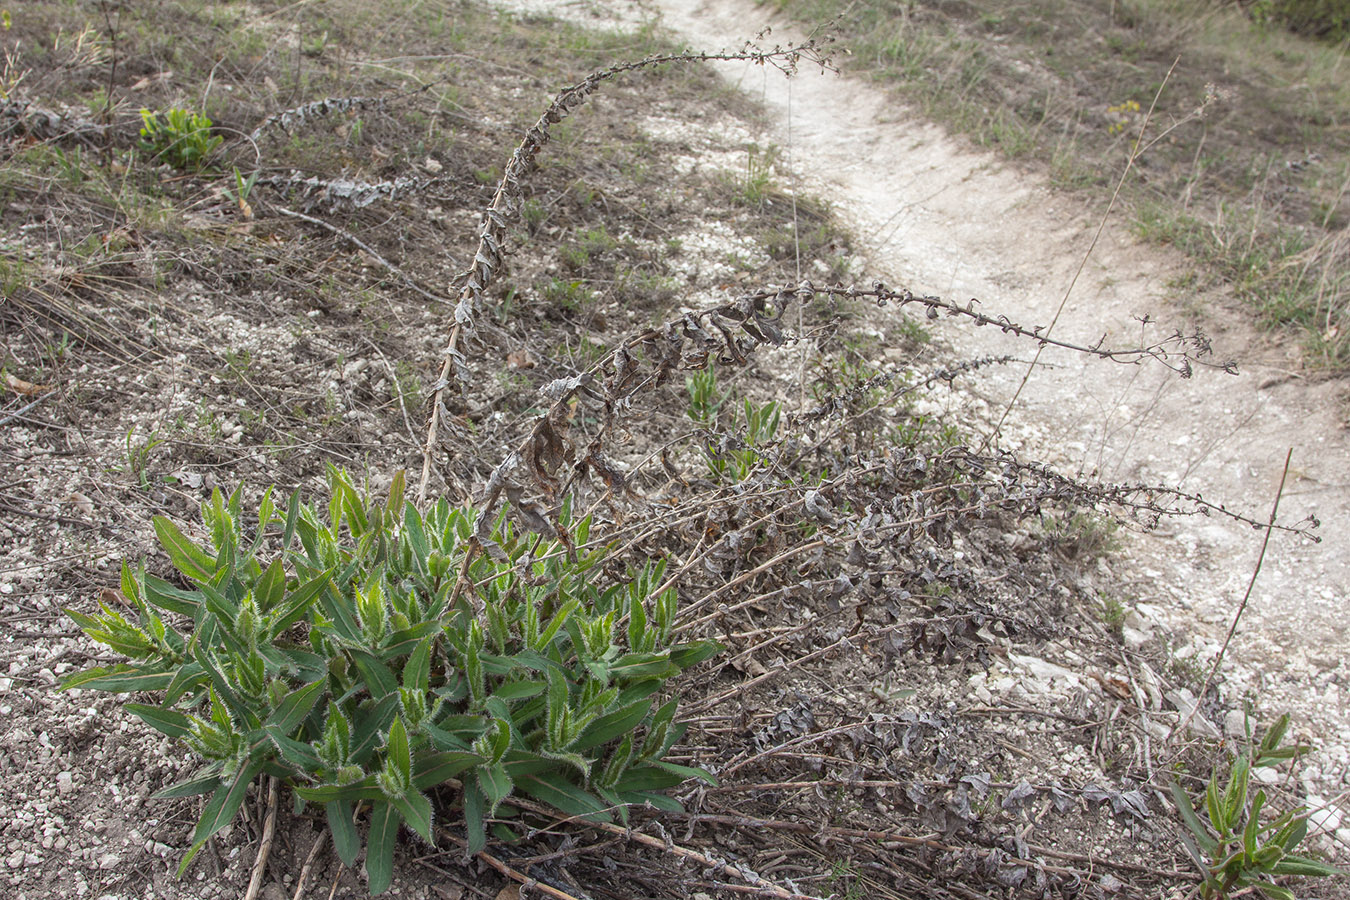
289	120
342	194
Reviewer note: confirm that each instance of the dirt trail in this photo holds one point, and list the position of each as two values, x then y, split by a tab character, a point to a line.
937	217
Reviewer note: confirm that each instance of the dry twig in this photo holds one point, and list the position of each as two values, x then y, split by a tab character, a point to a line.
265	846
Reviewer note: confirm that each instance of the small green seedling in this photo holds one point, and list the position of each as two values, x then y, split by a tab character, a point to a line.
180	138
243	188
1235	850
705	398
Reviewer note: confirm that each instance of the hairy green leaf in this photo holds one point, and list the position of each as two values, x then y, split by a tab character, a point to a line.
1302	865
202	784
384	821
346	841
186	556
295	708
416	812
119	679
222	808
555	790
432	769
1189	818
169	721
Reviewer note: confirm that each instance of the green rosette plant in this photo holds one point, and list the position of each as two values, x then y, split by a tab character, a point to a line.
369	654
179	137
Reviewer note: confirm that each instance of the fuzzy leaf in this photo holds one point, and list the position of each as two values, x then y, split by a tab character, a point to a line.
519	690
475	826
415	535
1191	820
202	784
384	819
647	777
296	606
1302	865
186	556
299	754
687	772
365	789
370	724
496	785
159	593
555	790
612	725
632	666
693	653
120	679
295	708
433	769
379	680
416	812
169	721
417	670
271	587
345	839
222	808
397	751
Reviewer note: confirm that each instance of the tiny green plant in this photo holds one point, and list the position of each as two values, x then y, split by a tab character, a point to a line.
735	463
572	295
243	189
368	655
844	881
1236	849
179	137
705	398
755	185
138	455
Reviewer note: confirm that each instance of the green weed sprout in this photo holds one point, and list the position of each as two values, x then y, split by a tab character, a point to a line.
366	654
243	189
1235	849
180	138
736	464
705	399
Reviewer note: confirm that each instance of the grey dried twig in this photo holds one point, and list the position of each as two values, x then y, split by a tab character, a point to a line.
297	116
370	251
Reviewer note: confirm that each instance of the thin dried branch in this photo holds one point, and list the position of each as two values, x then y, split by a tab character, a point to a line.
520	878
344	194
370	251
302	880
265	845
297	116
1178	351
